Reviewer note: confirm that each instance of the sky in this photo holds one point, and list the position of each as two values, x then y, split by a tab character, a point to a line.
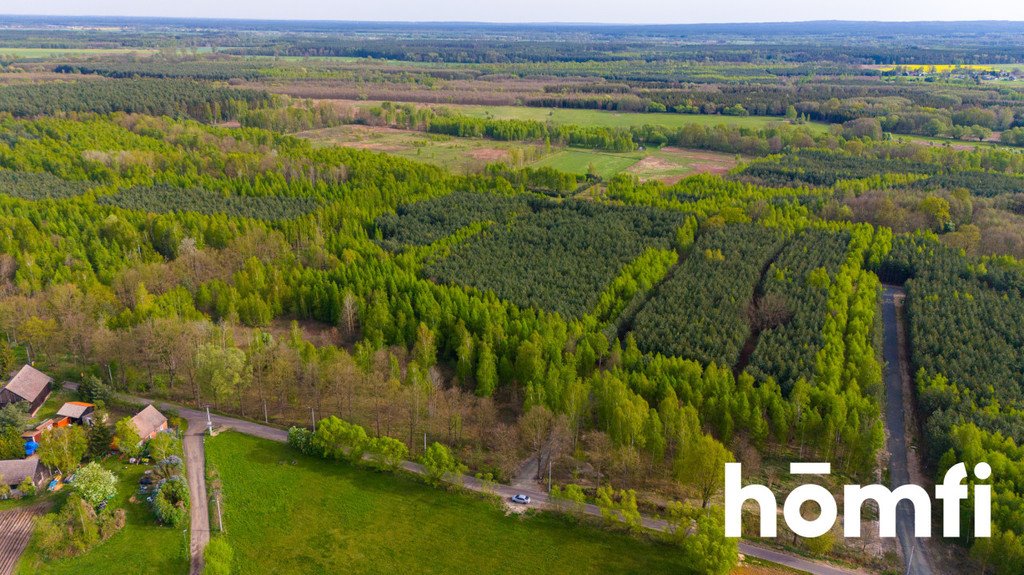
593	11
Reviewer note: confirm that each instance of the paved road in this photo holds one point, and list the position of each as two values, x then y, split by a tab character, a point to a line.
895	422
197	425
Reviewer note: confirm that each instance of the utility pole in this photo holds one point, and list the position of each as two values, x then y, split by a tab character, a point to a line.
209	421
910	561
312	415
265	418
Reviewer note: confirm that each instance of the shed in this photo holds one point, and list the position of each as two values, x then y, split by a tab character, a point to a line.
149	422
29	385
36	433
77	411
14	471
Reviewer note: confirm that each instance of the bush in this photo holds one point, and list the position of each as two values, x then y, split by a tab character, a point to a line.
299	438
218	557
127	437
387	452
163	446
338	439
168	467
171	503
27	488
95	484
438	461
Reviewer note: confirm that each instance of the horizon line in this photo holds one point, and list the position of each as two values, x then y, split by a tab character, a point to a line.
505	22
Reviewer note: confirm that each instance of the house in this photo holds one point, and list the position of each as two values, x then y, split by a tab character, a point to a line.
14	471
77	411
149	422
29	385
36	433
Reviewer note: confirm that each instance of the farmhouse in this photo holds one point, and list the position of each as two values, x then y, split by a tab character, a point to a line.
29	385
149	422
14	471
77	411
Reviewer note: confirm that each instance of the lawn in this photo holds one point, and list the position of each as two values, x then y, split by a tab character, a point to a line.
141	547
287	513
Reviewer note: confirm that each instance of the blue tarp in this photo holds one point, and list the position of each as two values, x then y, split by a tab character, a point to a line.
31	447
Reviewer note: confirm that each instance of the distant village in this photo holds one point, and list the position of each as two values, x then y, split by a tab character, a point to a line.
974	72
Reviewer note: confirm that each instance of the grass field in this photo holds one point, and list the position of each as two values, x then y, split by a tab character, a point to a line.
460	154
576	161
957	144
472	154
600	118
666	164
140	547
287	513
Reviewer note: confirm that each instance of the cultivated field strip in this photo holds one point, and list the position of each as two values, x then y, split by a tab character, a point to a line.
15	531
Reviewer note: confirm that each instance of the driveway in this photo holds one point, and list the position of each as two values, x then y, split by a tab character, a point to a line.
195	469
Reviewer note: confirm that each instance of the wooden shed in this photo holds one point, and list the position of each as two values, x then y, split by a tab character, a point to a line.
77	411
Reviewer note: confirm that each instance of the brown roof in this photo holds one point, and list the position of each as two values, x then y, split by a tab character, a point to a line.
14	471
29	383
74	409
148	420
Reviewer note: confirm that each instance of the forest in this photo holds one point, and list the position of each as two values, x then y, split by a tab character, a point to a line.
171	230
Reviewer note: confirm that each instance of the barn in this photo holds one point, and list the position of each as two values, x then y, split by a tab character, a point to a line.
14	471
29	385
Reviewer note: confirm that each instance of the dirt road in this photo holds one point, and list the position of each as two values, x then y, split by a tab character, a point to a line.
915	555
195	466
